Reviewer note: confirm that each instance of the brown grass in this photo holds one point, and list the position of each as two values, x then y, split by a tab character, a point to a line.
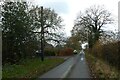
101	69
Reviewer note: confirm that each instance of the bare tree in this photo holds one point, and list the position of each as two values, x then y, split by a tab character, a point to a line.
92	21
108	37
52	23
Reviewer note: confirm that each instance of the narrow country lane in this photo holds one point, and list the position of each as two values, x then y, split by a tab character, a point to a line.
74	67
80	68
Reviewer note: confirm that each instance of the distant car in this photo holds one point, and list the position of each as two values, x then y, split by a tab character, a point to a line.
75	51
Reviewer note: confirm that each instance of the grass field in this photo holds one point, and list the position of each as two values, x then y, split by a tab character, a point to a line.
29	68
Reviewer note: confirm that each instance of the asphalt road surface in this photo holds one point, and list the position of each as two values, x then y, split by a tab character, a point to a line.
61	70
73	67
80	68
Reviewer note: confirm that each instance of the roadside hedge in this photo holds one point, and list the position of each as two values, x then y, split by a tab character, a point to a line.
110	53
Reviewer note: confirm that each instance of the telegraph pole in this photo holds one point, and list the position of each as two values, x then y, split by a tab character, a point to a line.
42	35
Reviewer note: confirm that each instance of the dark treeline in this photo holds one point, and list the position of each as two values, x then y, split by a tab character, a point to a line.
21	30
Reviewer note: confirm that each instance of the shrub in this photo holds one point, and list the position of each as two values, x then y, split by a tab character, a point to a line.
49	52
108	52
66	52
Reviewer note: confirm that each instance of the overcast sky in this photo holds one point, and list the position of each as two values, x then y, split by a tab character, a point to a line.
69	9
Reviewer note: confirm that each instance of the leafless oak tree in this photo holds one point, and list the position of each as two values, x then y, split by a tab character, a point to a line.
90	23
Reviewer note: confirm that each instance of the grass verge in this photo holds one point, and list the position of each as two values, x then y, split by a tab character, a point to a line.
100	69
29	68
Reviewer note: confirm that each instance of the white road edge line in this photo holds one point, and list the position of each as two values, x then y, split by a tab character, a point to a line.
65	74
